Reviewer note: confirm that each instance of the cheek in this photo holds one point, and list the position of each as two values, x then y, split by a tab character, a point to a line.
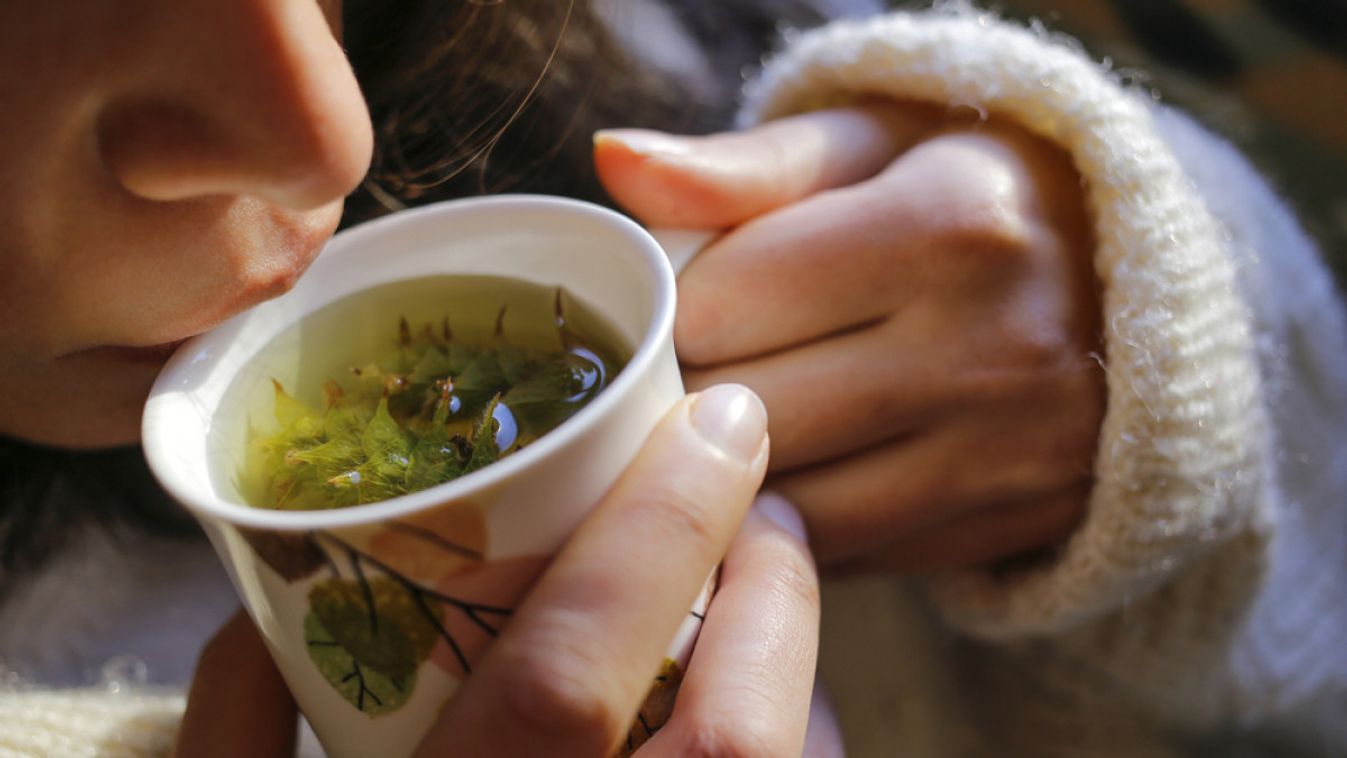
168	273
130	277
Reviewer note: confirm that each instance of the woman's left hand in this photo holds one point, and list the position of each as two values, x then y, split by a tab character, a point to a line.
912	295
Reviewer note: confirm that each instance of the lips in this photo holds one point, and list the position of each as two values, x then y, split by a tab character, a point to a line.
153	355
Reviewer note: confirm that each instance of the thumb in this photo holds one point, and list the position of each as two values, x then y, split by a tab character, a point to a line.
722	180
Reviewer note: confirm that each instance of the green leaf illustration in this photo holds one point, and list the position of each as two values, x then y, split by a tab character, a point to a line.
368	690
379	622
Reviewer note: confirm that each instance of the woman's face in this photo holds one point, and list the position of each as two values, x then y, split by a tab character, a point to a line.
168	163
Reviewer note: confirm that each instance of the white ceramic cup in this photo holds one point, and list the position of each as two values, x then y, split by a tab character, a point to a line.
438	610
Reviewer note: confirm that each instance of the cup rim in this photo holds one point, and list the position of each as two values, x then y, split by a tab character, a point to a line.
166	398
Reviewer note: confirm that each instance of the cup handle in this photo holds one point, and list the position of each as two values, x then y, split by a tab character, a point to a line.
682	245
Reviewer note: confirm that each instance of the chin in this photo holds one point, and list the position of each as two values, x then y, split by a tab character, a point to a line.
110	428
70	411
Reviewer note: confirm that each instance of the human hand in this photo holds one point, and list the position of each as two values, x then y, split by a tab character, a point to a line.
912	296
574	664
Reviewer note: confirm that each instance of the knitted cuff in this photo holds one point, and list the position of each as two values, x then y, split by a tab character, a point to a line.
1181	459
88	722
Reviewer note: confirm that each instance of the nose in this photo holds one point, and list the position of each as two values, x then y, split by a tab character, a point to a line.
237	97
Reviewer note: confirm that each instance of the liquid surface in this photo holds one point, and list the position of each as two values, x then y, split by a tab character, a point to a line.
416	383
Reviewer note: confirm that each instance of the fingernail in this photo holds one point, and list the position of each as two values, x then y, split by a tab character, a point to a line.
779	511
643	141
732	418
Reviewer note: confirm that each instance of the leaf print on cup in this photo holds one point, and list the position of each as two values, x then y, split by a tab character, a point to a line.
426	547
294	556
477	603
368	690
402	592
379	621
656	710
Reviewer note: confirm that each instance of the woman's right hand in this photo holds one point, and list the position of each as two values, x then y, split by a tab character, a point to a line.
574	665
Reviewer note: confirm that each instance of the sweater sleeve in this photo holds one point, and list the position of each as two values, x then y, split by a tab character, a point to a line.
1203	593
1183	465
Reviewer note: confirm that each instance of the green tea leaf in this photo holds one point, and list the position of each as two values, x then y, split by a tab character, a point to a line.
338	455
367	383
461	355
383	438
297	488
432	408
290	411
346	420
515	363
484	449
562	385
435	459
433	365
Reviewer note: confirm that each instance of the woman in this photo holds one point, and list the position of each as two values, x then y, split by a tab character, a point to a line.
932	278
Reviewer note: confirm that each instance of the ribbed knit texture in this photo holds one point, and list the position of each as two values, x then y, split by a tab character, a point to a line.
1202	604
92	722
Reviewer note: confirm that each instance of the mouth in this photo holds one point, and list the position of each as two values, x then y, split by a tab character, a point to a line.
152	355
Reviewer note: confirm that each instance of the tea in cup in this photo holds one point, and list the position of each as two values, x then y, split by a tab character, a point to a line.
379	568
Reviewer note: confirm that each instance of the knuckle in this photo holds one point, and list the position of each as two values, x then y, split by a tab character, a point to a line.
697	325
1039	347
718	738
794	578
1025	334
984	226
555	693
676	511
972	204
1025	478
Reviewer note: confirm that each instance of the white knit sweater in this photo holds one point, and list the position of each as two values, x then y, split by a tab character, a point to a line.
1202	605
1204	598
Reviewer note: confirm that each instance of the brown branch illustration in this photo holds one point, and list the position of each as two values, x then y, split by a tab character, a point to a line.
426	535
474	612
359	676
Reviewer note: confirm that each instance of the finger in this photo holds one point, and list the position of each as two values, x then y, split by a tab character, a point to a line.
844	394
958	215
847	393
748	686
984	536
569	672
238	704
860	504
825	264
724	179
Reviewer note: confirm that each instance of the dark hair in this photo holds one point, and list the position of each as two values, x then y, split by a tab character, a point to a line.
474	98
486	96
48	495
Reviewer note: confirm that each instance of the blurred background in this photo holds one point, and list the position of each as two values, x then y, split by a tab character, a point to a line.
1270	75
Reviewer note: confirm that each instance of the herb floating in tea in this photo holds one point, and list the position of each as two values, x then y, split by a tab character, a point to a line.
436	408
